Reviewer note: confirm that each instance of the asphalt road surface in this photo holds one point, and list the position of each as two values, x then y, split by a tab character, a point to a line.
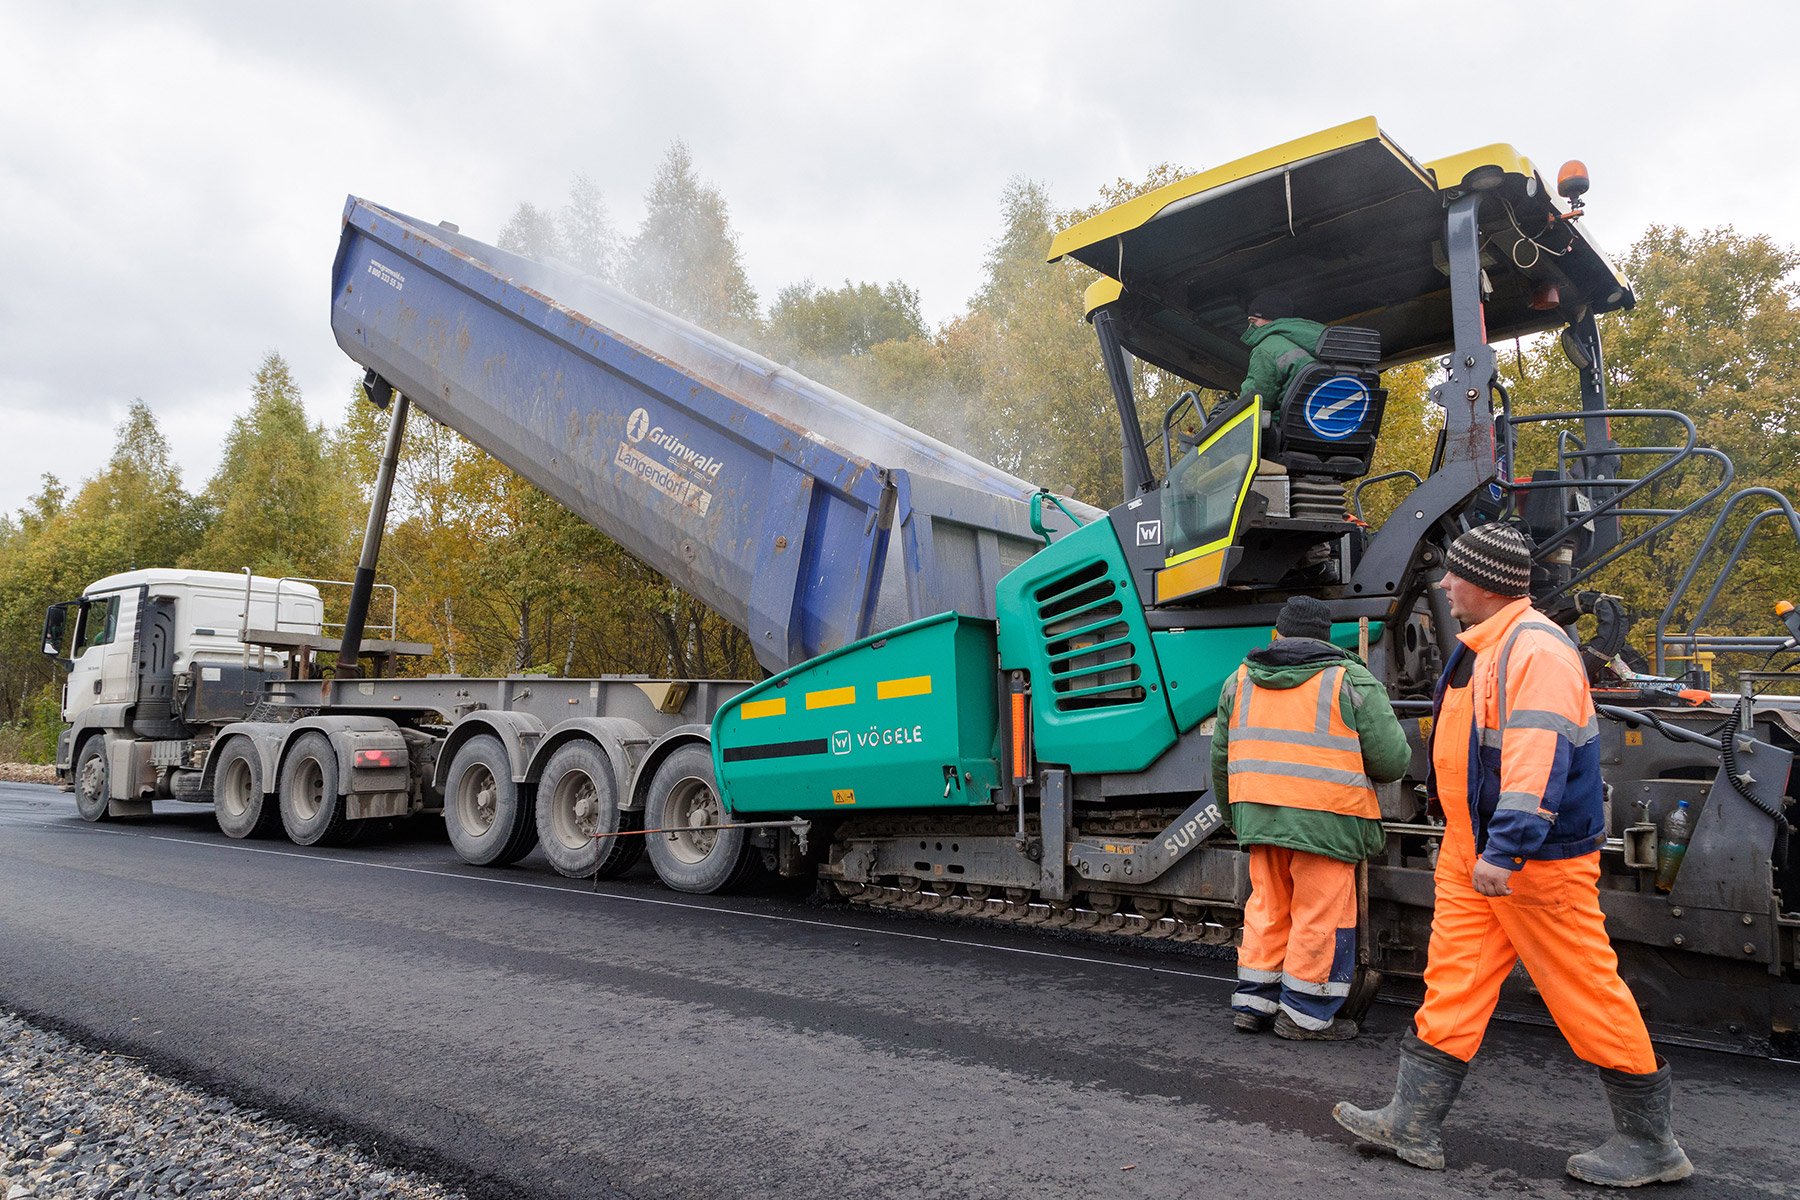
515	1033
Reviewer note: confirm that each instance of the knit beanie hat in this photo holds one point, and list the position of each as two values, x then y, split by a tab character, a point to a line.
1495	557
1304	617
1271	304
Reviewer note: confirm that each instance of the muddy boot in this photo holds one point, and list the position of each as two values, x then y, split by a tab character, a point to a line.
1341	1029
1644	1148
1412	1123
1252	1022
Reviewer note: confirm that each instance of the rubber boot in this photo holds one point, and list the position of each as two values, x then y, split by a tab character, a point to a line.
1412	1123
1644	1149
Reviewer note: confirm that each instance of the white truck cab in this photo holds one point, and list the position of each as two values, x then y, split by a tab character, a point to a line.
156	657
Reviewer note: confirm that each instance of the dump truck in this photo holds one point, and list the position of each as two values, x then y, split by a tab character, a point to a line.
988	700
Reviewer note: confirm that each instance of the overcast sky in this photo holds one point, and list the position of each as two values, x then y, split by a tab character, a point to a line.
172	174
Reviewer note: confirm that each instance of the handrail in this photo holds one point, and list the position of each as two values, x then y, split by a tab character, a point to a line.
1614	505
1664	639
1356	493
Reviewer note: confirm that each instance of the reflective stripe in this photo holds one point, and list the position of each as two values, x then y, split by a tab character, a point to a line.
1540	718
1291	357
1328	689
1231	690
1252	975
1241	714
1490	738
1520	802
1294	984
1294	737
1506	657
1251	1003
1354	779
1306	1020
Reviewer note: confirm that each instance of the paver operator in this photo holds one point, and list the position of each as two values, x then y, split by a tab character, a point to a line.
1515	761
1303	734
1280	345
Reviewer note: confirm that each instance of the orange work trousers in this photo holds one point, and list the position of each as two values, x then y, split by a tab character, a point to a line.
1299	947
1553	924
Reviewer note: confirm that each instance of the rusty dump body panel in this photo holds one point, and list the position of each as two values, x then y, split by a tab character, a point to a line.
801	516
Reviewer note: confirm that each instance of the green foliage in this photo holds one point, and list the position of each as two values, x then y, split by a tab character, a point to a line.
812	326
531	231
276	505
585	227
685	256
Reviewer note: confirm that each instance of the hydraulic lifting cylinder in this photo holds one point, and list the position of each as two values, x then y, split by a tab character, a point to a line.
364	583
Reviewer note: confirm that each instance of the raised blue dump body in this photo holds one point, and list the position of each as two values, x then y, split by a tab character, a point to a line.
804	518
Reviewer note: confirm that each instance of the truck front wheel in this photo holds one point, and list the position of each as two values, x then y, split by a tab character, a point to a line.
312	810
93	787
694	855
239	803
487	814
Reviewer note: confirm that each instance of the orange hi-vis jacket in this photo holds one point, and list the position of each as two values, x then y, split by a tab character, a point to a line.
1532	777
1290	747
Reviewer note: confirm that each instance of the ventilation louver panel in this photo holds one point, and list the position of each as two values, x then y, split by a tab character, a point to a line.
1087	644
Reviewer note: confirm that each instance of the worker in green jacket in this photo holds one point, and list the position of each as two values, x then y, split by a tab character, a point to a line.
1281	344
1303	734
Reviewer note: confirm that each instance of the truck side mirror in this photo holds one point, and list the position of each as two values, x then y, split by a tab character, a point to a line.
56	621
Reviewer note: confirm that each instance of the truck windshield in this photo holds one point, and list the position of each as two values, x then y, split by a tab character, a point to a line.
1205	490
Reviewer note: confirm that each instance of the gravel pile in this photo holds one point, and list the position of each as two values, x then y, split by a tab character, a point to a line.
26	773
76	1123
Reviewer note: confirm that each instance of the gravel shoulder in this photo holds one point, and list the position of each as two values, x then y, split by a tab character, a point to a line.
11	772
78	1122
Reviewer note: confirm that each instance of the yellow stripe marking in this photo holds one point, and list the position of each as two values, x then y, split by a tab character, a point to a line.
894	689
831	697
753	709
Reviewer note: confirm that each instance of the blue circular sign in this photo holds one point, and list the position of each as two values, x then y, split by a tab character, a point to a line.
1337	408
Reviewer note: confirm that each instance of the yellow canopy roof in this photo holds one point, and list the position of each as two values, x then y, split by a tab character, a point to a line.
1349	225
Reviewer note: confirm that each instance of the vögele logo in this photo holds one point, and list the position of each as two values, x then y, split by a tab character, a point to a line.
637	425
840	742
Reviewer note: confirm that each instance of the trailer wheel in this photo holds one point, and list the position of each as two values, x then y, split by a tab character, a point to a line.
240	803
577	798
488	816
312	810
93	787
683	795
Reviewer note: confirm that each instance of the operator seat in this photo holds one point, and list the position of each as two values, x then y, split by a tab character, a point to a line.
1331	412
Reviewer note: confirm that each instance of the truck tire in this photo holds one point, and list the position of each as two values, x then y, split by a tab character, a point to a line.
488	816
312	810
241	804
577	798
683	794
93	782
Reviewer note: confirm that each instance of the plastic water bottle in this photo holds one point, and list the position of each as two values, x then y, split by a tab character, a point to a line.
1677	827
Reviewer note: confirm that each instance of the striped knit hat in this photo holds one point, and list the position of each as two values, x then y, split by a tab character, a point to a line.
1495	557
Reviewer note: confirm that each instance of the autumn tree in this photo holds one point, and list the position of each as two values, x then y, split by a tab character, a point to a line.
685	256
275	505
134	513
584	225
810	325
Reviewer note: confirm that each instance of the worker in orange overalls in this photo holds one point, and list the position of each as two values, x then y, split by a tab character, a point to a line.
1302	736
1515	760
